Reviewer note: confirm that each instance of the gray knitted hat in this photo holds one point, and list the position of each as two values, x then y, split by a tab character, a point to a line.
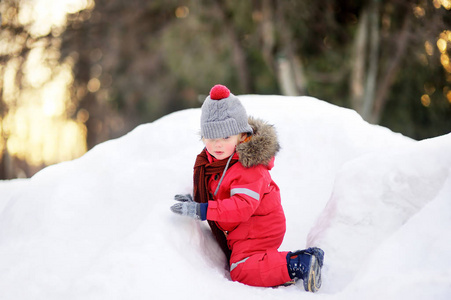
223	115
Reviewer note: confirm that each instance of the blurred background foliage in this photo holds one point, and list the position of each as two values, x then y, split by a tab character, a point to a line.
75	73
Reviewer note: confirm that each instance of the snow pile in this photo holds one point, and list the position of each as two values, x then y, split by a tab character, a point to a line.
100	227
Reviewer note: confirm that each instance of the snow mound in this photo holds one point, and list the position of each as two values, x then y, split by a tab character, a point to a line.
100	227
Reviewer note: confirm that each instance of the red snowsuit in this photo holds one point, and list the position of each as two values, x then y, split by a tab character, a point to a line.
247	207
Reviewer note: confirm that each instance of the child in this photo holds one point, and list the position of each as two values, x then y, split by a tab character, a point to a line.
234	191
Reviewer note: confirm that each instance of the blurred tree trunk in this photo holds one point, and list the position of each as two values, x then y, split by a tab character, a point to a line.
96	133
238	53
4	155
373	59
16	45
291	78
358	63
268	33
371	80
6	169
389	76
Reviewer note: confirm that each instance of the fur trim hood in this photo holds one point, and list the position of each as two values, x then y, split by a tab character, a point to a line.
262	146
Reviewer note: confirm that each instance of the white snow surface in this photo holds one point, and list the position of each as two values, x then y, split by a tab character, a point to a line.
99	227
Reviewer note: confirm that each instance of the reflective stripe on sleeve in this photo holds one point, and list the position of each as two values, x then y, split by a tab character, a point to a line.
234	265
245	191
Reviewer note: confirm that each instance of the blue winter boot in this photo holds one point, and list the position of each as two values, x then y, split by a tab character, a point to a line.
306	265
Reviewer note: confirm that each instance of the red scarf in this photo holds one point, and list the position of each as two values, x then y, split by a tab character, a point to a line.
203	170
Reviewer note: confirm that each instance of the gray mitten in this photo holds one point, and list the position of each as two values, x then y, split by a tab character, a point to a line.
183	198
186	207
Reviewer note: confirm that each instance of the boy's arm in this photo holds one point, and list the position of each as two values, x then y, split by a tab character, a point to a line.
245	196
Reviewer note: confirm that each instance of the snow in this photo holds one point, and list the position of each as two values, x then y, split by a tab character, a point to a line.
99	227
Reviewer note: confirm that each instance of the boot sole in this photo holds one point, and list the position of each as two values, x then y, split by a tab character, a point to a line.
313	280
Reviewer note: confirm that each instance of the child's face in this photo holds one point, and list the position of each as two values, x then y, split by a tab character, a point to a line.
222	148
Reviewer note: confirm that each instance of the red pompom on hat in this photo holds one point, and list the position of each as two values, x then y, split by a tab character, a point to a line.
219	92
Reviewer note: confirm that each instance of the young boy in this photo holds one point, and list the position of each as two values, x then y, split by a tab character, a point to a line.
234	191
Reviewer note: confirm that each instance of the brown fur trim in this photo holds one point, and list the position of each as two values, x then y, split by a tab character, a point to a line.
262	147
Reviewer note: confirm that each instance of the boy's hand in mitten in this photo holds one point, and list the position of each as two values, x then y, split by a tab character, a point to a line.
183	198
187	207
